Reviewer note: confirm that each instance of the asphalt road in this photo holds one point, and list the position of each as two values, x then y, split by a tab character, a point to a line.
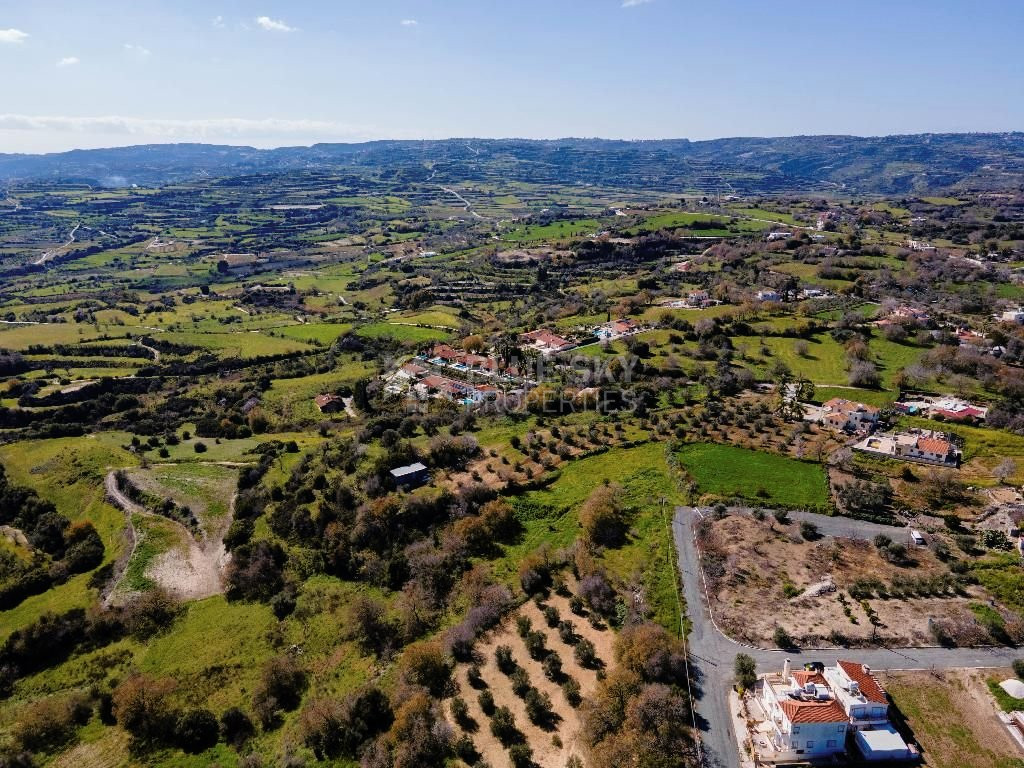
712	653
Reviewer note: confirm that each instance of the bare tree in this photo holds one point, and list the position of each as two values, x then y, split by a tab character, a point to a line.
1004	470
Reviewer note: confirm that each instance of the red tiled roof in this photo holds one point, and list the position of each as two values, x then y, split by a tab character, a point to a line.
933	445
322	400
848	406
803	677
547	338
869	686
814	711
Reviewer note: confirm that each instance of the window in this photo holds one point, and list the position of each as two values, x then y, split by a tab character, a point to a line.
831	744
796	729
810	744
840	728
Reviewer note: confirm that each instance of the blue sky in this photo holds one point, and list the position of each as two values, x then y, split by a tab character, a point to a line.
86	73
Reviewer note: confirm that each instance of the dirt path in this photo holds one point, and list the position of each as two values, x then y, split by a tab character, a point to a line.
189	572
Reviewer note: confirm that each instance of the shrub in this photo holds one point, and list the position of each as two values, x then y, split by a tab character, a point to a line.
782	638
523	625
503	726
571	691
474	677
197	730
504	659
1018	668
809	530
199	447
521	756
426	664
279	689
536	645
460	711
142	707
235	727
585	654
746	671
551	616
46	724
486	699
538	707
520	682
552	665
567	633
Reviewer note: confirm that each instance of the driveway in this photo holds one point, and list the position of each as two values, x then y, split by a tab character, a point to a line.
712	653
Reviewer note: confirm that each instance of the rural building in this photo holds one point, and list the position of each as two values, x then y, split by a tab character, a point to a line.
922	446
807	721
920	245
545	342
812	713
773	236
768	294
849	416
1013	316
329	403
698	299
411	476
944	409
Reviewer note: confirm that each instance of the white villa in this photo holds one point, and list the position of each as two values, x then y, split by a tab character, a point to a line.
807	720
813	715
923	446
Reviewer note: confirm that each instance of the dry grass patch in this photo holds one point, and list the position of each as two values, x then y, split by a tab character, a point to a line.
954	718
757	571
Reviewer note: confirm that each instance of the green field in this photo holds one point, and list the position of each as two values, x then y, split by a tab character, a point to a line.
727	471
409	333
550	519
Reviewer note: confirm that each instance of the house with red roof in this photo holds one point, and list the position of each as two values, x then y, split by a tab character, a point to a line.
545	342
812	714
849	416
807	722
329	403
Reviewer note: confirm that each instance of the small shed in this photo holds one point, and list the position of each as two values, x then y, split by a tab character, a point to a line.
884	743
411	476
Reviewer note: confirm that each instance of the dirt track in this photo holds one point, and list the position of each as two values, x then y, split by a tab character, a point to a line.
190	571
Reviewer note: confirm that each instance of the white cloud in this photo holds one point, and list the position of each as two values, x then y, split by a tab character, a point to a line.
202	129
218	22
273	25
12	36
138	50
68	61
635	3
409	23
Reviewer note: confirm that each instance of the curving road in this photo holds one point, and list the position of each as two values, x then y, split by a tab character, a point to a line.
712	653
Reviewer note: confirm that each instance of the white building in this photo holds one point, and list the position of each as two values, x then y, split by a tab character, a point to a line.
768	294
807	720
811	713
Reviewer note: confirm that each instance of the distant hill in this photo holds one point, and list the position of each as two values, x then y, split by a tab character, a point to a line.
889	165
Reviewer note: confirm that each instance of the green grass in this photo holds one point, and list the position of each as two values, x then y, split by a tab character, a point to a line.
824	363
550	517
205	488
409	333
727	471
325	333
559	230
877	398
1006	702
155	536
